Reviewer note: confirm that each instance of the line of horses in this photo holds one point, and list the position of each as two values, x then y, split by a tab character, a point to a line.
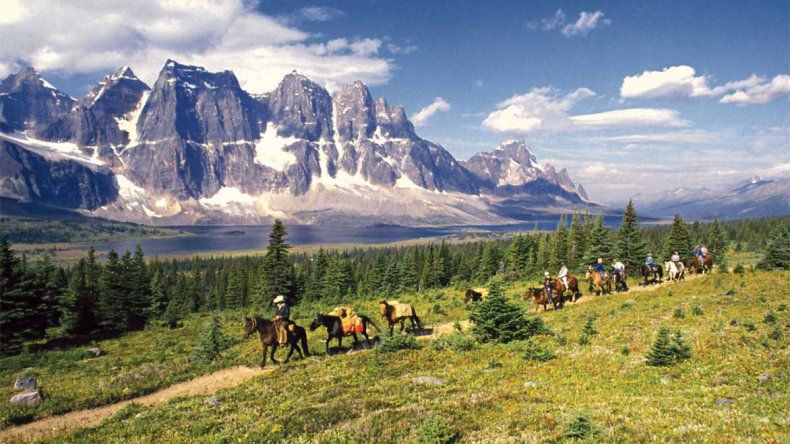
297	336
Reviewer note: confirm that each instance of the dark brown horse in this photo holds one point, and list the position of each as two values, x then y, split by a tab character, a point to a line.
540	298
474	296
706	266
334	329
268	333
389	313
573	288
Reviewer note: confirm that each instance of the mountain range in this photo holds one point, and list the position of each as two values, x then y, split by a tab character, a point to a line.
196	148
752	198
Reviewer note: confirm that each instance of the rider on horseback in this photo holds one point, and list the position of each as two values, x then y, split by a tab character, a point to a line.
600	268
282	319
676	259
547	283
700	255
619	269
650	262
563	275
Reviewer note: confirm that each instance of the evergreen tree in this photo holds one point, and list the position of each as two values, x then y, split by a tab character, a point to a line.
80	315
599	242
212	342
21	318
158	298
489	263
428	275
234	291
777	254
679	239
409	277
139	281
274	273
631	247
50	284
716	239
113	294
496	319
559	248
576	243
668	349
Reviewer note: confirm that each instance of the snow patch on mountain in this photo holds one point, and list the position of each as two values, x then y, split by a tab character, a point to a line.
54	150
270	149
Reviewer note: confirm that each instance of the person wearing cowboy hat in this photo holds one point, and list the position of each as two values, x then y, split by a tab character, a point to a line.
563	275
600	268
282	318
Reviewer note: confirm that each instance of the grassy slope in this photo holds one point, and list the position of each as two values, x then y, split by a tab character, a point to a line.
492	393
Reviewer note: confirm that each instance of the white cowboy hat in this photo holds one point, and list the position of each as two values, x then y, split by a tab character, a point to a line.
546	273
279	300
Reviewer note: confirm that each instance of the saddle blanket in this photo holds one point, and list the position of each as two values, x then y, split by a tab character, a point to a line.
352	323
402	310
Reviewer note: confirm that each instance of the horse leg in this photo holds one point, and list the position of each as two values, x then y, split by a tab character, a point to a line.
291	352
263	359
326	346
356	340
367	338
402	326
274	349
340	344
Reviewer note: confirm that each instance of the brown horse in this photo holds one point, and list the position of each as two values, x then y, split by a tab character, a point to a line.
705	267
599	284
540	298
471	295
268	333
388	312
573	288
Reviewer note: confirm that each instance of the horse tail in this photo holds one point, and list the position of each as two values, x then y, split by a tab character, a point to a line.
370	321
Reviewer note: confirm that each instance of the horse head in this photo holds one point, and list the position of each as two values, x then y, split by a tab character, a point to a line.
588	274
383	306
250	324
317	322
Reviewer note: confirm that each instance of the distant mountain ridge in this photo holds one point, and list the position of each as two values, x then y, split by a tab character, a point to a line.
196	148
755	197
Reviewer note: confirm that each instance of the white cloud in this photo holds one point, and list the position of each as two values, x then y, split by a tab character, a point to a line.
587	22
316	14
675	81
546	109
682	82
401	49
422	116
222	34
631	117
692	136
778	87
553	22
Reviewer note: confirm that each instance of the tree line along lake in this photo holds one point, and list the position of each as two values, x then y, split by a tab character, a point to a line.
231	238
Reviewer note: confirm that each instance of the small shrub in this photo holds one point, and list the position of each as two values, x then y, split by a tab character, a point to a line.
588	331
734	322
579	428
697	310
212	342
668	349
435	430
455	341
738	269
493	364
678	314
395	342
172	315
458	327
782	307
437	309
496	319
534	352
628	304
770	317
749	326
776	333
625	351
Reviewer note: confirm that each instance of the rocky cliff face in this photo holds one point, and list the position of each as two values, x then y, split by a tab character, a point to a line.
197	146
28	101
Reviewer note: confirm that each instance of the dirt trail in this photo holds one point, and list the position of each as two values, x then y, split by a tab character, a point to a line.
206	384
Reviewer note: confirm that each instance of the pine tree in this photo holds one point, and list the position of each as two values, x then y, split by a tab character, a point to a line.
274	273
234	291
716	239
559	247
496	319
777	255
139	289
679	239
576	242
409	277
158	298
489	263
50	284
21	317
80	314
631	247
599	242
212	342
113	294
668	349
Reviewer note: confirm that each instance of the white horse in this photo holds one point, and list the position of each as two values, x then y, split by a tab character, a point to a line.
674	271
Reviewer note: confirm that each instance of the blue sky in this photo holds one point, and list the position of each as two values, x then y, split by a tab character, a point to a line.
626	95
